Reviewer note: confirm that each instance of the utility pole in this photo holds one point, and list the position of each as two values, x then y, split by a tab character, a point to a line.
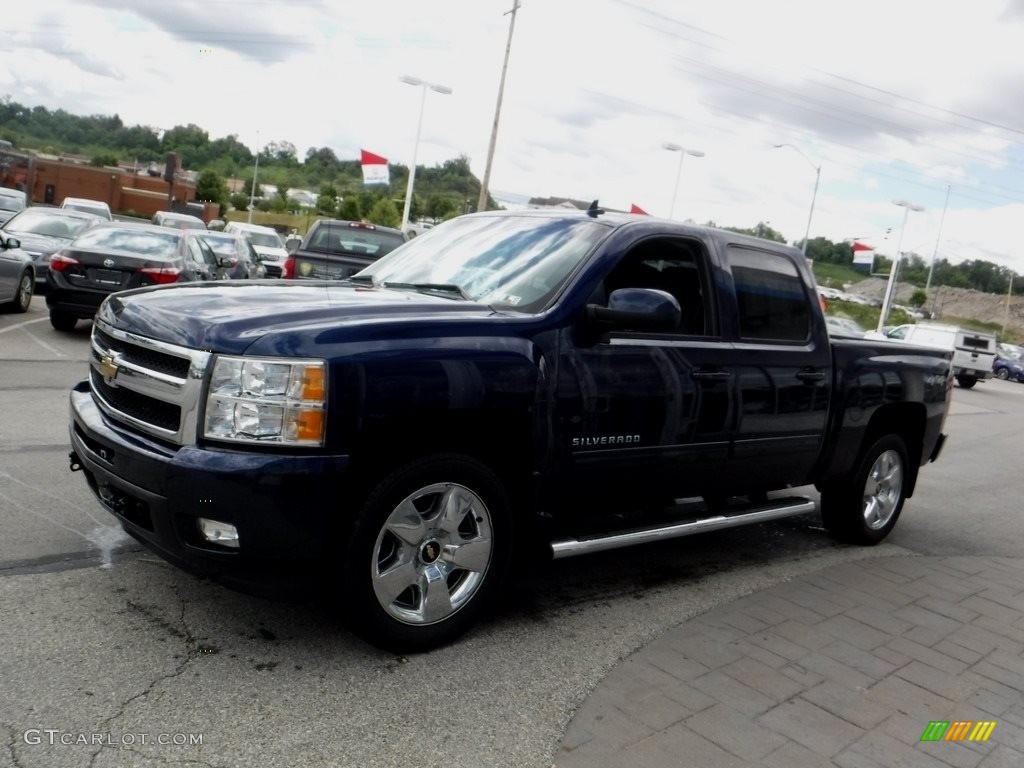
481	204
938	239
1006	315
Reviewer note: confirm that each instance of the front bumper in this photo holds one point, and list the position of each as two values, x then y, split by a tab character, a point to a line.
286	507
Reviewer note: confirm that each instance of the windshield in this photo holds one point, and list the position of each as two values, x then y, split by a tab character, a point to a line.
36	221
142	242
99	210
515	262
264	240
222	246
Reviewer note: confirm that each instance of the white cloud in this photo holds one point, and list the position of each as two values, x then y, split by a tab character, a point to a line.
881	94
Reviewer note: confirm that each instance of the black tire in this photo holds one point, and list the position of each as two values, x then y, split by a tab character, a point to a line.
62	321
844	504
966	381
23	296
371	550
1003	374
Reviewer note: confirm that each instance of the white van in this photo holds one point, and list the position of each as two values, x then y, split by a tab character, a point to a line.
973	351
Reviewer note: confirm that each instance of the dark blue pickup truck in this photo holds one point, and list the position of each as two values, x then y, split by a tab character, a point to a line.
504	380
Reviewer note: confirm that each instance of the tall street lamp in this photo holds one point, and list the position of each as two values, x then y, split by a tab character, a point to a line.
252	191
415	147
814	195
890	287
683	152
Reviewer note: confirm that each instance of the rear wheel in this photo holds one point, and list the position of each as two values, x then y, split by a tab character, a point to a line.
966	380
62	321
864	507
425	553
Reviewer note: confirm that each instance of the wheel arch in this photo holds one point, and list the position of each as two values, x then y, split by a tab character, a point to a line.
907	421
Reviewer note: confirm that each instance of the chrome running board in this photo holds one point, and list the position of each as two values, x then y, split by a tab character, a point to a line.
773	510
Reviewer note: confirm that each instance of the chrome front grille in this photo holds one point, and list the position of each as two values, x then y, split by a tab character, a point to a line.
150	385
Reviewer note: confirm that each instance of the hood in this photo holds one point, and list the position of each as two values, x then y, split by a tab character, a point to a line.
230	317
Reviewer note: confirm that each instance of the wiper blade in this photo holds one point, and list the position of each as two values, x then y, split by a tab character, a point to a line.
361	279
431	288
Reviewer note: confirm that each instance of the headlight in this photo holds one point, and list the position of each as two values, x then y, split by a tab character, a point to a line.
266	400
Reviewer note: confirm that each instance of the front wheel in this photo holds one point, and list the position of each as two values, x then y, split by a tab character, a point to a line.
1003	374
425	553
23	296
864	507
966	381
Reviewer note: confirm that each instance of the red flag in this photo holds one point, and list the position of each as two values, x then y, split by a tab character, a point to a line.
634	208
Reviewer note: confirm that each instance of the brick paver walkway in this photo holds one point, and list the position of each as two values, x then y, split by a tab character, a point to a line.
846	666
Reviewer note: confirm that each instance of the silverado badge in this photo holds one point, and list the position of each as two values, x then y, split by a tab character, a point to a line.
108	369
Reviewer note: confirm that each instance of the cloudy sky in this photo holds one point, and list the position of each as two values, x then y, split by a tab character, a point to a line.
895	100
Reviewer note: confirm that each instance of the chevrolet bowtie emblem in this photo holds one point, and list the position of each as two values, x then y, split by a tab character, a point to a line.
108	368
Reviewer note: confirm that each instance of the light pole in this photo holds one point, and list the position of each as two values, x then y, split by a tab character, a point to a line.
415	147
252	191
890	287
814	195
481	204
683	152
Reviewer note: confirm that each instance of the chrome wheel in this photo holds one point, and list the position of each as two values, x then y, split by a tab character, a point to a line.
432	554
883	489
1003	374
25	292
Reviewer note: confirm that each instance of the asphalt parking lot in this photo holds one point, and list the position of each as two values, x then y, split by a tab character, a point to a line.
103	638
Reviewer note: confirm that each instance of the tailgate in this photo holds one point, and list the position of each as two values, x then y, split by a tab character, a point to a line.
322	267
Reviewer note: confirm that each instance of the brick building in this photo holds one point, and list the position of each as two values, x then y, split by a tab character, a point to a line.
48	179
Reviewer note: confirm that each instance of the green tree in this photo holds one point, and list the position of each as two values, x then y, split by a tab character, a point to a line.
211	188
104	158
762	230
919	298
239	201
327	202
385	213
438	207
348	209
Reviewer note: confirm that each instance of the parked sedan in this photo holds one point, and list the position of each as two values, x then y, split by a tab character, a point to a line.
237	259
11	201
44	231
17	276
178	220
1009	363
115	257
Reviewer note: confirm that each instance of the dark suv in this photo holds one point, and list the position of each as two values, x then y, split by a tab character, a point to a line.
116	257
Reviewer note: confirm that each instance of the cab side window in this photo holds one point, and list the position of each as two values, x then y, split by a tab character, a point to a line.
673	265
773	304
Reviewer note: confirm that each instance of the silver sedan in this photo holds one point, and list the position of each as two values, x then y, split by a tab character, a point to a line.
17	275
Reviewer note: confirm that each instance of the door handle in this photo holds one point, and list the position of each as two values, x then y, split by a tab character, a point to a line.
810	376
704	375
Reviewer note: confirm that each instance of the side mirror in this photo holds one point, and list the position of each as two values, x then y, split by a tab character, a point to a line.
225	261
10	242
638	309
